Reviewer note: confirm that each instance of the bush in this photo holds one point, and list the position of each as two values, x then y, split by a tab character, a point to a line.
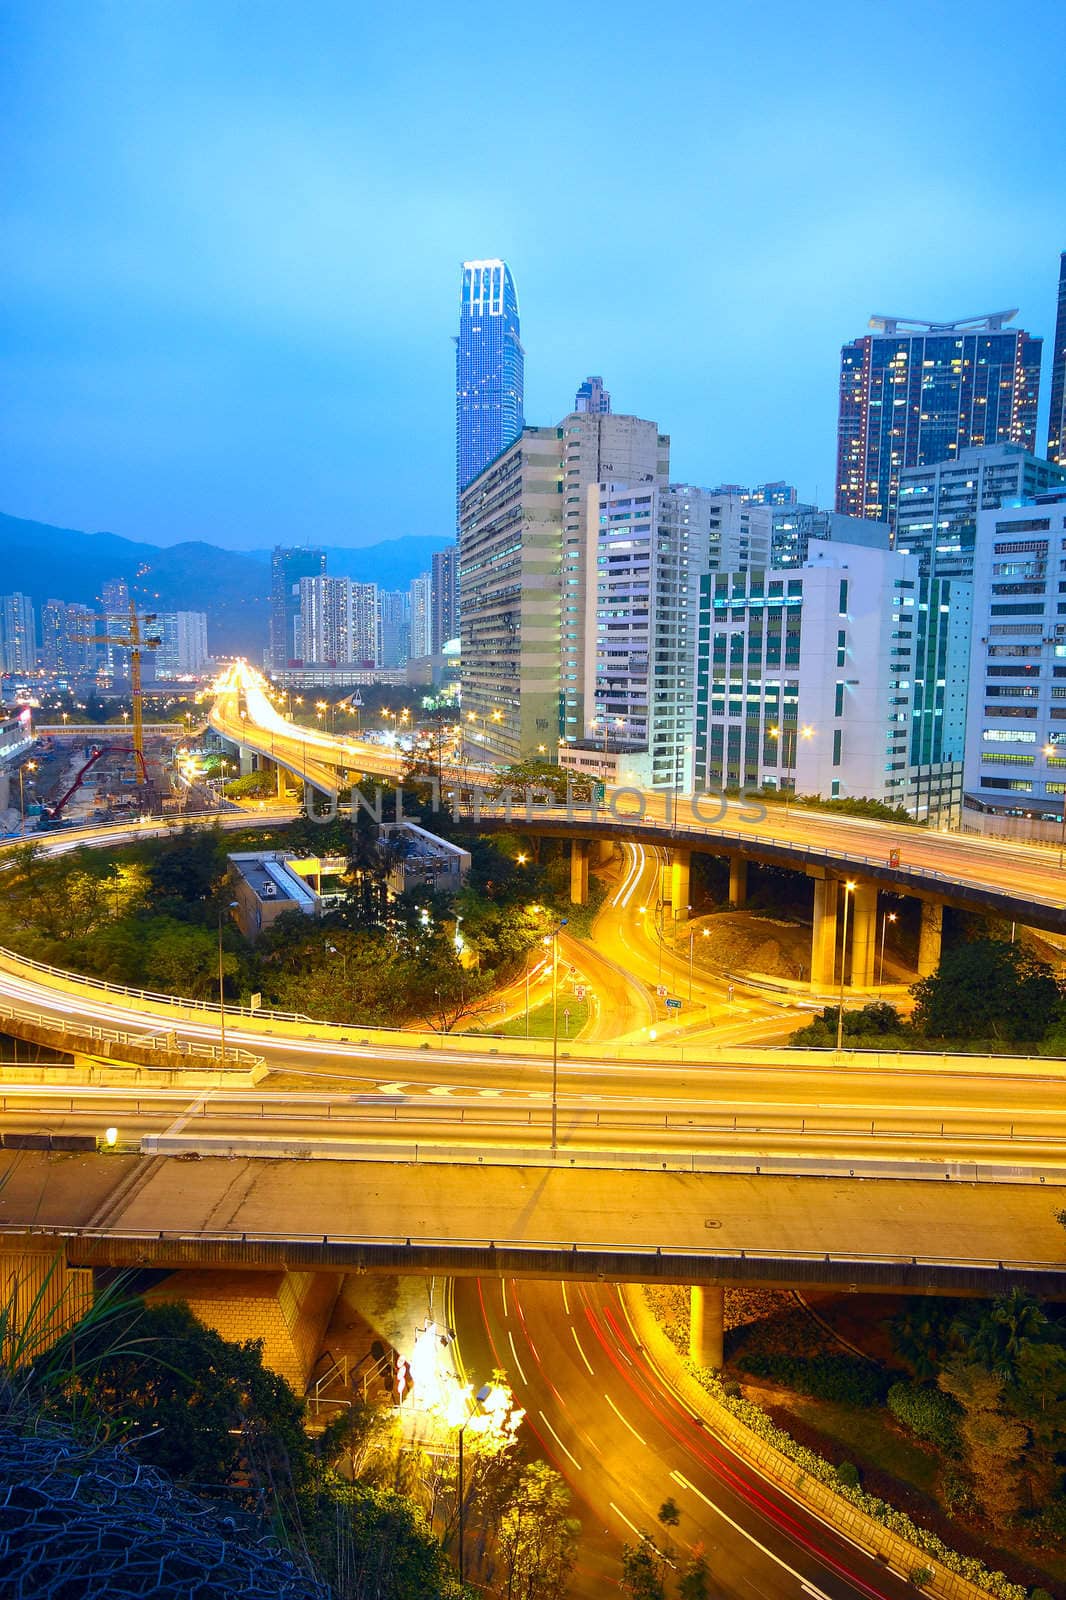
920	1576
928	1413
848	1474
844	1379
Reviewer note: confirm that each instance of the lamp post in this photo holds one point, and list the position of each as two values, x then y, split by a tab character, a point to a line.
705	933
889	916
553	940
29	766
221	996
849	888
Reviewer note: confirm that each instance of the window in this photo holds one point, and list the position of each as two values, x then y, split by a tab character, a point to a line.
842	605
838	709
836	746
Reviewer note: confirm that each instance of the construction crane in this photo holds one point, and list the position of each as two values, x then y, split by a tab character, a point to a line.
135	643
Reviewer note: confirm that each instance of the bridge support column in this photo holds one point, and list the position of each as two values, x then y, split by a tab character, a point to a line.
824	940
680	884
706	1330
929	938
738	882
579	872
283	792
864	937
246	758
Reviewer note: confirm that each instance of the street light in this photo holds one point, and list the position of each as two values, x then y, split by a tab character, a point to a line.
221	996
29	766
553	940
849	888
706	934
889	916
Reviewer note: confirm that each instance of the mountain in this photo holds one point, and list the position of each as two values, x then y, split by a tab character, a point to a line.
232	586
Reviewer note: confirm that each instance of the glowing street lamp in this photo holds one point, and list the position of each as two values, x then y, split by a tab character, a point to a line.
28	766
849	888
889	916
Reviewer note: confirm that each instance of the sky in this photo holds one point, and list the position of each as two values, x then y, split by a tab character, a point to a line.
231	234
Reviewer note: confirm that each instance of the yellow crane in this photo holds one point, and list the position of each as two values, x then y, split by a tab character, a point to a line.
135	643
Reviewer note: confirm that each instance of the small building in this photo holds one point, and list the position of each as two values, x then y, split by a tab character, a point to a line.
267	883
423	859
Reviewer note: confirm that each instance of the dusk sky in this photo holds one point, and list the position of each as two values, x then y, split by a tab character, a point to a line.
232	235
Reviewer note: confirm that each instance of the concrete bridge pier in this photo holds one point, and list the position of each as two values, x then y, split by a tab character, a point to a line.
863	939
246	758
680	884
824	938
706	1329
579	872
929	938
738	882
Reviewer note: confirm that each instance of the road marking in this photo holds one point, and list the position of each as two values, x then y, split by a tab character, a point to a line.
490	1092
619	1513
514	1352
566	1303
178	1124
625	1421
559	1442
392	1088
805	1585
503	1292
441	1088
581	1352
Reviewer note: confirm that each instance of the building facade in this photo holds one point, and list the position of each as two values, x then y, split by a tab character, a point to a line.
510	556
66	631
592	396
642	610
394	623
489	368
1056	431
789	530
1016	725
287	567
444	598
421	609
803	677
182	644
18	633
914	393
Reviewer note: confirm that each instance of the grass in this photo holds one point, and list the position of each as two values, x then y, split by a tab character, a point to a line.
540	1021
867	1434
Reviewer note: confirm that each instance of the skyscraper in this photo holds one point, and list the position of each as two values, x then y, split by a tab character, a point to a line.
444	597
287	567
18	634
65	633
421	616
488	368
912	393
1056	428
592	396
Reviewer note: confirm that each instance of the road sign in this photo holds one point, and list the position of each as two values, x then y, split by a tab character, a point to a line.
893	858
673	1005
579	991
661	990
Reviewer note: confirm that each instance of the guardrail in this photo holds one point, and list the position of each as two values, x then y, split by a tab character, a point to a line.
96	1034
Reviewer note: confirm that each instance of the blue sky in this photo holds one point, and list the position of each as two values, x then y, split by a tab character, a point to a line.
231	234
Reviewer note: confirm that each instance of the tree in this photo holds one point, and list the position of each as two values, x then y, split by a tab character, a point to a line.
992	1440
370	1543
694	1582
987	988
643	1570
203	1409
921	1333
185	867
999	1334
182	958
536	1541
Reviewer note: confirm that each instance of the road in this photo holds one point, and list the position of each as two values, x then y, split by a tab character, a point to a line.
1026	876
625	1442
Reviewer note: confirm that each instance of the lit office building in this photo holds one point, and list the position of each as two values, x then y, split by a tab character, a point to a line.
1015	774
66	630
1056	430
489	368
394	621
803	679
914	393
788	531
182	649
421	609
444	598
287	567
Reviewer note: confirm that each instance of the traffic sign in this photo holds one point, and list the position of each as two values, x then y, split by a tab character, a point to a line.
661	990
579	991
673	1005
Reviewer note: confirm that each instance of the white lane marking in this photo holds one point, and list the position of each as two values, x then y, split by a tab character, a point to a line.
179	1122
558	1441
581	1352
679	1478
503	1292
625	1421
514	1352
566	1303
489	1093
393	1088
619	1513
442	1088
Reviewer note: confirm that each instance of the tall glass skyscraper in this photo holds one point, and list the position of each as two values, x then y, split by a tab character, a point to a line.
1056	428
489	368
912	393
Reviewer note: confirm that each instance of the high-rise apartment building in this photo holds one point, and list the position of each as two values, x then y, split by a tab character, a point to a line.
777	493
914	393
115	604
287	567
394	624
182	649
649	549
489	368
510	549
421	616
1056	429
789	530
802	676
366	631
322	631
444	598
593	448
1016	725
18	633
592	396
65	633
740	536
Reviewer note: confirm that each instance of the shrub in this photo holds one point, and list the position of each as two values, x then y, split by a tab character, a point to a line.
844	1379
848	1473
928	1413
920	1576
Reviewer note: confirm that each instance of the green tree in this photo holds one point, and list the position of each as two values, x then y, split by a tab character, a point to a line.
643	1570
370	1543
987	988
536	1541
993	1441
182	958
998	1334
694	1580
184	868
921	1333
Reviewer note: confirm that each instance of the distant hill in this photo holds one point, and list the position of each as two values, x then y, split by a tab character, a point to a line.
232	586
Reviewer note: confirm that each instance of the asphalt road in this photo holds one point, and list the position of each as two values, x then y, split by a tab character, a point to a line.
603	1416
